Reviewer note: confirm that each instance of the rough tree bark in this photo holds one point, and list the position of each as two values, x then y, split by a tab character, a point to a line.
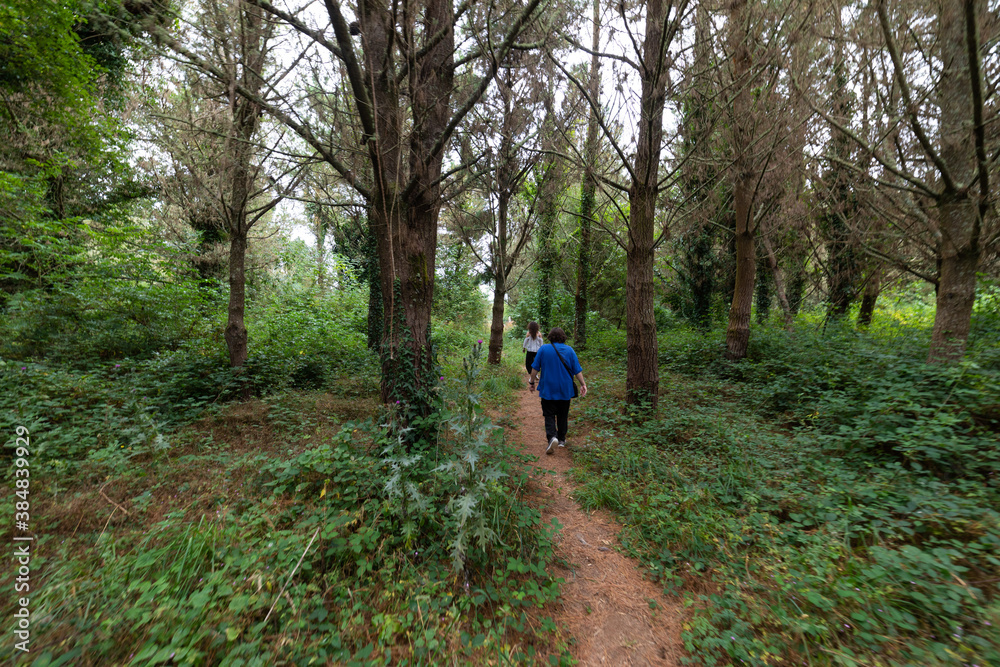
373	274
500	264
496	324
236	330
320	230
404	219
239	152
872	289
406	133
738	331
762	290
960	99
779	283
548	213
642	382
505	176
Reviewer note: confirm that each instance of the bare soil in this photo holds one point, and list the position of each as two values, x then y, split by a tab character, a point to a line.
615	615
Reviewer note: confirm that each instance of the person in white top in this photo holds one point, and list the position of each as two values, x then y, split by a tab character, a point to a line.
532	343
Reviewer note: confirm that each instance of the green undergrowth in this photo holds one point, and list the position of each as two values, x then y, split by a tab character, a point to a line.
832	500
319	540
102	406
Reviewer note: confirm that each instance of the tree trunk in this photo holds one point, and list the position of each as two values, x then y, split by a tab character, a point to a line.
763	289
320	254
727	260
372	273
405	201
588	191
505	175
581	303
499	251
699	258
376	306
960	219
779	283
236	331
642	381
701	268
407	277
546	252
955	297
842	264
241	183
872	290
796	291
242	174
841	204
496	325
738	331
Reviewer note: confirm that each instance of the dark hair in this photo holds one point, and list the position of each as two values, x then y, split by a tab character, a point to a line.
533	329
557	335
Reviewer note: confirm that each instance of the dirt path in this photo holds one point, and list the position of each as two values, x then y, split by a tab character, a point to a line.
606	600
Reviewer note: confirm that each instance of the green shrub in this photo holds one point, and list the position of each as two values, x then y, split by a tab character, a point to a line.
350	551
302	338
109	412
130	297
861	529
452	339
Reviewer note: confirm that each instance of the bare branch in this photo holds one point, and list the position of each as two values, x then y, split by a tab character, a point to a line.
596	110
484	83
316	35
911	109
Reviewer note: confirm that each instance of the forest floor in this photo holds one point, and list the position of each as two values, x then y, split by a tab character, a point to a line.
615	615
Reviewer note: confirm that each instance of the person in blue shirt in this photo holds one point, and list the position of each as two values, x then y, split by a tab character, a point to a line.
558	365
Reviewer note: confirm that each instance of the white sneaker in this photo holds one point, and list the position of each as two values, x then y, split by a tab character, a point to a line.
562	443
552	443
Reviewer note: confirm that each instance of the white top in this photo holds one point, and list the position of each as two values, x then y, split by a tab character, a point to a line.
532	344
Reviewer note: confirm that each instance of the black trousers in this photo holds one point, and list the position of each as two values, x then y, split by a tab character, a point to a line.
556	415
529	358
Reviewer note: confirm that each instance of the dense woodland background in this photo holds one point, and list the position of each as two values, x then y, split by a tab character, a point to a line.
248	250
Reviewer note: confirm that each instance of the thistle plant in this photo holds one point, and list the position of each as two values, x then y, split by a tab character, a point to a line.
471	430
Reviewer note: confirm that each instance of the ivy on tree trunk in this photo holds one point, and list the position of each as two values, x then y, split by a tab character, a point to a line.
588	192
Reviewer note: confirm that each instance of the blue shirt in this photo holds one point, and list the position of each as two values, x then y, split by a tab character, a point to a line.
556	384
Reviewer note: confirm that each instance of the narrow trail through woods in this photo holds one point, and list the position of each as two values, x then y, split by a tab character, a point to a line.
606	600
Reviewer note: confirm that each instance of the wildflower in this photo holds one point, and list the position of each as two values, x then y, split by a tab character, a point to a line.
480	341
